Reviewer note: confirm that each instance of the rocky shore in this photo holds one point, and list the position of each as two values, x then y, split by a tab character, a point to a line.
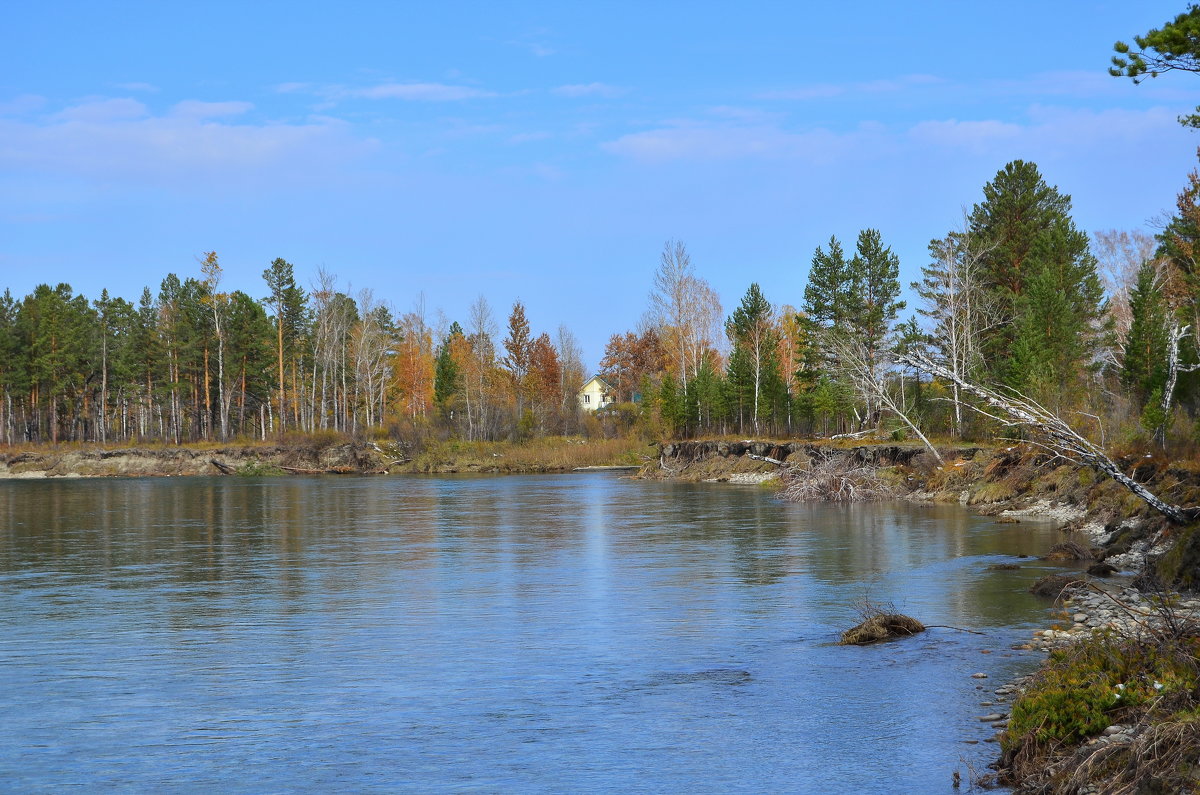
1125	611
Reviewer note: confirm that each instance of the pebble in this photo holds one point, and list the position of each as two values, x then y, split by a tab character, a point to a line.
993	717
979	676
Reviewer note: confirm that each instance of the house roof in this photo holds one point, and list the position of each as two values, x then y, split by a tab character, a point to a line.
598	380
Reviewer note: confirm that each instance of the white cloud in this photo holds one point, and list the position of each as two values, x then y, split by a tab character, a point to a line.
145	88
195	109
524	138
828	90
25	103
977	136
118	140
692	141
589	90
102	110
419	92
1053	130
1045	132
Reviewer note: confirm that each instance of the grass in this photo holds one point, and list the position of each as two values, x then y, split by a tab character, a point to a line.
1150	680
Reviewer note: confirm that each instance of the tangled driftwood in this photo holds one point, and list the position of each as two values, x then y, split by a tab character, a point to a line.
883	626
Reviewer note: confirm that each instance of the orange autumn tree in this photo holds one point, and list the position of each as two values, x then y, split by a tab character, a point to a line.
544	381
413	366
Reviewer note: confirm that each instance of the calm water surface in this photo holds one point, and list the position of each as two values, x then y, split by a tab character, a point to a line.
532	634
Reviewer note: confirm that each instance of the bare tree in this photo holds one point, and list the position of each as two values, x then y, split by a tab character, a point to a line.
483	357
866	371
685	309
571	370
961	310
1120	255
371	341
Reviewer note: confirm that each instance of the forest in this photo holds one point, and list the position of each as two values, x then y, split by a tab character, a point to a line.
1103	331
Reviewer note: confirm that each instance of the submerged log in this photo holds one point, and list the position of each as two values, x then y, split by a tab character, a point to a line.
1070	550
1052	585
329	471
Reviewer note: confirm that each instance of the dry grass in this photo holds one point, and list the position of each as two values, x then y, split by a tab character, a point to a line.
1145	678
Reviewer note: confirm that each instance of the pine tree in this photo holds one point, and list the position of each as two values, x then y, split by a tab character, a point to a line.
447	376
873	300
1042	278
828	291
1144	367
754	364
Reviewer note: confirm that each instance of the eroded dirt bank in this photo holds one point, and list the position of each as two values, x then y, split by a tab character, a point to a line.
173	461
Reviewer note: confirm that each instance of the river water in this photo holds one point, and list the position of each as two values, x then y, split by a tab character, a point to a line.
521	634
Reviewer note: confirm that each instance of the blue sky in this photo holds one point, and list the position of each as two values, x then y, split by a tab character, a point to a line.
546	151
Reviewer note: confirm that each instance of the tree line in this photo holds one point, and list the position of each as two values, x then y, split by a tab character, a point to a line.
193	363
1105	331
1016	296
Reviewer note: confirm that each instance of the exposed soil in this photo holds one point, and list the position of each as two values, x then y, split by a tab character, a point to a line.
173	461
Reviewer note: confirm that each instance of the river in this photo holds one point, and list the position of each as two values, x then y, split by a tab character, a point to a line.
521	634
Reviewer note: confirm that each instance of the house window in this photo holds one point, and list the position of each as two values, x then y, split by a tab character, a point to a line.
587	398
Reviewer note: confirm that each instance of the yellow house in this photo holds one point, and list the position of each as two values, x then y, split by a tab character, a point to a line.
595	394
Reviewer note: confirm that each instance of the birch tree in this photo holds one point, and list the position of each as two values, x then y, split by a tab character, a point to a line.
962	312
686	310
218	303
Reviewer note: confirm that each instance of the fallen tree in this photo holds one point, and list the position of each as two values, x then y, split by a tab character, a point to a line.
1051	432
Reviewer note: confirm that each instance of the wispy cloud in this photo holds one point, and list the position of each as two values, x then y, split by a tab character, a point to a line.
404	91
529	137
419	92
534	43
194	109
1044	132
1050	131
143	88
25	103
102	110
829	90
589	90
699	141
120	140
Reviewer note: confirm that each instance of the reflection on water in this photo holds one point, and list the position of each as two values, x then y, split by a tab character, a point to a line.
508	633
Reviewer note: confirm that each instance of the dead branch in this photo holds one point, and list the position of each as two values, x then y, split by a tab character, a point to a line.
767	458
